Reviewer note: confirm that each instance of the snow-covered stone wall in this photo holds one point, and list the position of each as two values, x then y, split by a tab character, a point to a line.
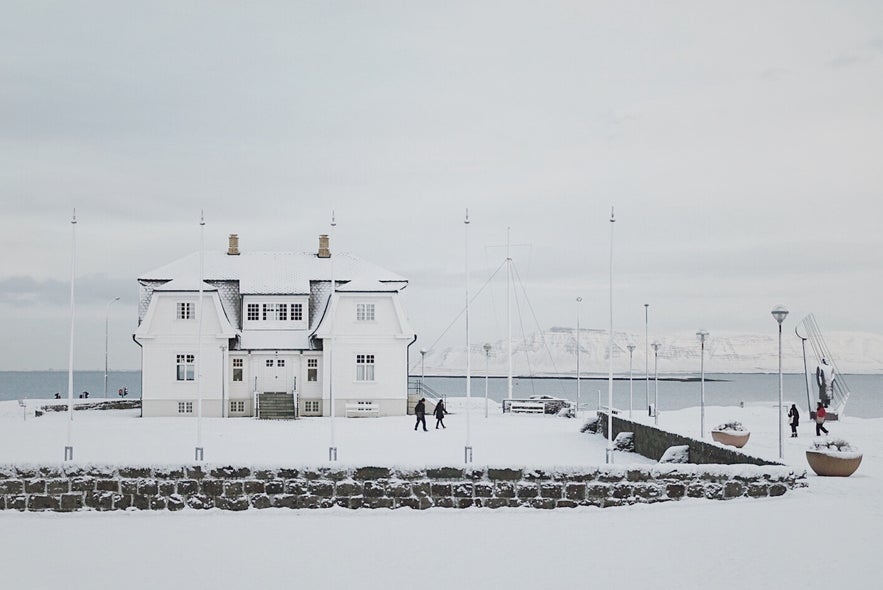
67	488
652	442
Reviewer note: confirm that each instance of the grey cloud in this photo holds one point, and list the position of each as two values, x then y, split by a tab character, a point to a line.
25	291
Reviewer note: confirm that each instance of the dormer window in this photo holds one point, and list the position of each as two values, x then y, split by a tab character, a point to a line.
365	312
185	310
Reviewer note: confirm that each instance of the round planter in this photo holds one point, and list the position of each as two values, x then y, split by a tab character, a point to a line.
833	463
733	438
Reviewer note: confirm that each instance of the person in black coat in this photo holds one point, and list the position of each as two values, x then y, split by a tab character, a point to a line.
420	410
440	412
795	419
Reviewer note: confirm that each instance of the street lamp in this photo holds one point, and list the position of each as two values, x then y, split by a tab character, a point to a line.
656	346
702	336
646	355
106	322
779	314
631	348
578	301
487	358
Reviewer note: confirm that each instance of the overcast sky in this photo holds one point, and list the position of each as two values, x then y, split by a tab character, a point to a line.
739	142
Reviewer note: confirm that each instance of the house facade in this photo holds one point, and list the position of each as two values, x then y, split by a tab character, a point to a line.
267	328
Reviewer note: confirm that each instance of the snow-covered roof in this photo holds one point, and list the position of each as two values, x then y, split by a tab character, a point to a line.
276	273
185	284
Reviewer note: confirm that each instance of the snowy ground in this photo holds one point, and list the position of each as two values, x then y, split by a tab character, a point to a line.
821	537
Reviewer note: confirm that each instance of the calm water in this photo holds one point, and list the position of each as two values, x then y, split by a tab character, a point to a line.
44	384
865	401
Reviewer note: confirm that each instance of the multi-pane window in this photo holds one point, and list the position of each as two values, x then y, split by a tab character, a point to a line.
237	406
312	369
365	312
185	310
186	364
282	312
268	362
280	363
311	406
297	312
237	369
253	312
364	367
185	407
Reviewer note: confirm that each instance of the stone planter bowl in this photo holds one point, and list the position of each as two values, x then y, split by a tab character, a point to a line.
833	463
733	438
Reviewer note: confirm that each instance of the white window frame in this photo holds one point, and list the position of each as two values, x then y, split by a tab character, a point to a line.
237	406
185	367
253	312
238	367
365	312
365	367
297	312
185	407
184	310
312	370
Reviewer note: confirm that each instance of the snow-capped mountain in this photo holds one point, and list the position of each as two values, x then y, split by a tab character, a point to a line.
554	353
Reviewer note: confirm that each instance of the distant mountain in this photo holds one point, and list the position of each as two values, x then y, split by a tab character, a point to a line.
554	353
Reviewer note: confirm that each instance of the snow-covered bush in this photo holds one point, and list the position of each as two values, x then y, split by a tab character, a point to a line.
833	444
591	425
624	441
731	426
676	454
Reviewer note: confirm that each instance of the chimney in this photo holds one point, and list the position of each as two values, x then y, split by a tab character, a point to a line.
324	252
233	248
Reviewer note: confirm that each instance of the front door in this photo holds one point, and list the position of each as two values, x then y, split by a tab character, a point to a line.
275	375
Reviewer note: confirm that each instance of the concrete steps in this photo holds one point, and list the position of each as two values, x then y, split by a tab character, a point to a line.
276	406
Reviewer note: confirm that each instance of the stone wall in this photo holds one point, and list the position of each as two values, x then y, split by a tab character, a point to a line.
652	442
66	488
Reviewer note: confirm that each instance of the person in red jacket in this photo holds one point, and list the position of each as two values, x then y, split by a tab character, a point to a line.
820	420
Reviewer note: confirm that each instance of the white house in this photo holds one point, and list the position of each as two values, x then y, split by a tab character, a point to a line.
270	335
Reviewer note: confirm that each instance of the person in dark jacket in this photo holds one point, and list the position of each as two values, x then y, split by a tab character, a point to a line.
440	412
420	410
820	419
795	419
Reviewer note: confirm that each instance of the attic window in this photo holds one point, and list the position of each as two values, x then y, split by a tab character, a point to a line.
365	312
185	310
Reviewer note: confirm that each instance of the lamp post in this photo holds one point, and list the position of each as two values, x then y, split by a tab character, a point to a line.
656	346
779	313
487	359
578	301
631	348
702	334
647	355
106	322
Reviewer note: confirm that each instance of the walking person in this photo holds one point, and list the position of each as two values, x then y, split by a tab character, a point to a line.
440	412
420	410
820	420
795	419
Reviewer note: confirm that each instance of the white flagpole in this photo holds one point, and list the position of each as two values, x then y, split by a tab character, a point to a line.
69	448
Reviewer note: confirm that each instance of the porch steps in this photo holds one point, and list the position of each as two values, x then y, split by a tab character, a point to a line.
276	406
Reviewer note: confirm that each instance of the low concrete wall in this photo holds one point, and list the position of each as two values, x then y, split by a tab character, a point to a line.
66	488
652	442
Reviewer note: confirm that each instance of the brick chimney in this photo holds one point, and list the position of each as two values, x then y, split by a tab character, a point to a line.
324	251
233	247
